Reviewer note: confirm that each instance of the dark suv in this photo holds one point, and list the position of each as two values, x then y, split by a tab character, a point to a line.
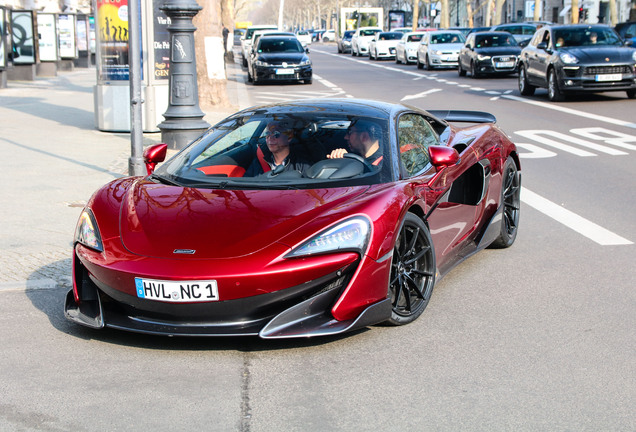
577	58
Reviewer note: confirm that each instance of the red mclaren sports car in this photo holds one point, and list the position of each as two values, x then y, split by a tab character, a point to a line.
305	218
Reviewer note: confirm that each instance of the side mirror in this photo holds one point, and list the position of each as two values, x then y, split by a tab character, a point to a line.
443	156
154	155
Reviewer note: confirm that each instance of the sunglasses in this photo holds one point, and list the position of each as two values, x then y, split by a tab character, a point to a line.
275	134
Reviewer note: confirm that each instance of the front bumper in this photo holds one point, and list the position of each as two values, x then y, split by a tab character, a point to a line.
301	310
444	60
498	65
597	78
279	73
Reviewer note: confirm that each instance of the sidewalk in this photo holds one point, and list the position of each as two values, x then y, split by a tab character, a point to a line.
53	160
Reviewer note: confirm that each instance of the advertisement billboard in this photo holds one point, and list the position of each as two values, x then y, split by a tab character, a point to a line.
22	37
112	40
47	32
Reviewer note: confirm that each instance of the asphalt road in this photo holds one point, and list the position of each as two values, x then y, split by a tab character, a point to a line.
533	338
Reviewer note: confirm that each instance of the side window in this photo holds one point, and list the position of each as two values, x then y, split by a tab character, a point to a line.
415	135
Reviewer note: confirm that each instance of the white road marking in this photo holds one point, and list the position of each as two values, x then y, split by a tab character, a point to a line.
535	135
535	152
573	221
421	95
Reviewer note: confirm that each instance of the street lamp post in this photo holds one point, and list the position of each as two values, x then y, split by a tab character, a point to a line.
184	118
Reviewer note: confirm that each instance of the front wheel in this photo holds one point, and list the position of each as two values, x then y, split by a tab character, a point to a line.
412	271
631	94
460	70
511	203
554	92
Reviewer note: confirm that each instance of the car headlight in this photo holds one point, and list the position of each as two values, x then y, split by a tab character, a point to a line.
568	58
306	62
350	235
436	52
482	57
261	63
87	232
634	56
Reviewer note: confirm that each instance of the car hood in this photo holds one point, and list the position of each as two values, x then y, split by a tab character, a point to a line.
280	58
497	51
388	43
155	219
601	54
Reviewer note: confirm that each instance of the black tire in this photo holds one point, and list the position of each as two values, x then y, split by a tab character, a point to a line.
244	62
460	71
631	94
419	65
473	70
554	92
397	59
339	50
511	202
427	65
249	76
412	271
525	88
308	81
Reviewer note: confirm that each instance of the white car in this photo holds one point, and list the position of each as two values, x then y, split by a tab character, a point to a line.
304	37
361	38
383	45
247	39
329	36
406	48
439	49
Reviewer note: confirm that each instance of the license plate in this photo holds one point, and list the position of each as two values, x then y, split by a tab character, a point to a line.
609	77
449	58
177	291
504	64
284	71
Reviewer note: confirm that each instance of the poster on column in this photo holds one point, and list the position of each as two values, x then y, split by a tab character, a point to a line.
47	37
112	39
3	25
22	36
161	42
66	29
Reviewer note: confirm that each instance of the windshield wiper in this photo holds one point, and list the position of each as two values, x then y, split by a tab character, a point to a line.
164	180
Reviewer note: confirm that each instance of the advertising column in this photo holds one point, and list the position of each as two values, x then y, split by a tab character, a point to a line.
47	45
3	48
23	49
112	92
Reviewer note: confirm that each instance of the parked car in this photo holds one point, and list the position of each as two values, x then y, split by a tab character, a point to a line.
201	247
329	36
304	37
280	58
627	30
522	32
383	45
406	48
578	58
238	34
489	53
361	38
255	38
344	43
316	35
246	40
439	49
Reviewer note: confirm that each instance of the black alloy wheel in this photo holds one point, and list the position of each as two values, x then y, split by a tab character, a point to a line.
412	271
525	88
554	92
511	202
460	70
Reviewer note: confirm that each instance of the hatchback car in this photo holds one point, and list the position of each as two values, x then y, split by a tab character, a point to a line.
489	53
280	58
383	44
406	48
577	58
344	42
439	49
361	38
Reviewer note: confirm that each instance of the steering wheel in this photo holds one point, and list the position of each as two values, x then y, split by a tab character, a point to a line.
363	161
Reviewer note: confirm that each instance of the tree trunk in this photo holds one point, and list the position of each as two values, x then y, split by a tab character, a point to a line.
208	48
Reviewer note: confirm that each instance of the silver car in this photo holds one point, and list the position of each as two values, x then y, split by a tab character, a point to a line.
439	49
406	49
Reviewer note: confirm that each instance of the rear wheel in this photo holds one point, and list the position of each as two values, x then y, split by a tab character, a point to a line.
510	200
412	271
554	92
525	88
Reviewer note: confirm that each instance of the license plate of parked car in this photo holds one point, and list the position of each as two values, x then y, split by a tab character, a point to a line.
609	77
177	291
284	71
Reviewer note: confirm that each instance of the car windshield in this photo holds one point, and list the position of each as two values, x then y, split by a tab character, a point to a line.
444	38
390	36
586	36
275	45
245	151
415	38
348	34
485	41
368	32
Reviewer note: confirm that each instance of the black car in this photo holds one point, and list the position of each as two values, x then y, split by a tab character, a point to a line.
489	53
279	58
522	32
344	43
577	58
